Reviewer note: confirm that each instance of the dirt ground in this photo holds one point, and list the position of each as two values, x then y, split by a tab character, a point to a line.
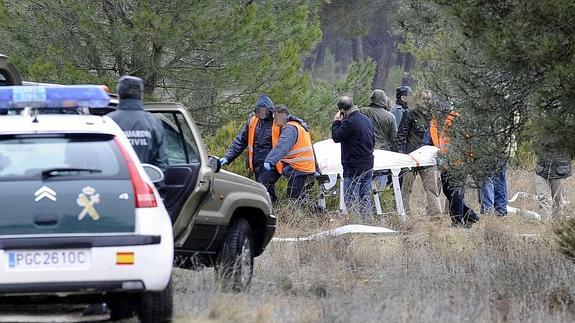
500	270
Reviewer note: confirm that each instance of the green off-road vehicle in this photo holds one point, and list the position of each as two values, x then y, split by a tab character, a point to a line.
219	218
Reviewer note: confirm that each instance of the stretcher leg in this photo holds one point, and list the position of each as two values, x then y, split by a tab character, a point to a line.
397	193
377	203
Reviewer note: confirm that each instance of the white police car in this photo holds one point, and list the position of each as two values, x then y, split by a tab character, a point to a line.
81	218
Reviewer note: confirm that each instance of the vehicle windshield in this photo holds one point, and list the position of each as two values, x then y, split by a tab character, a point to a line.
55	157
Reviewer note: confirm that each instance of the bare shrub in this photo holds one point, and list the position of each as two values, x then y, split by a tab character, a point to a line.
500	270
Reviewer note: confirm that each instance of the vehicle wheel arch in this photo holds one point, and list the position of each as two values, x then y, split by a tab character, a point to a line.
256	219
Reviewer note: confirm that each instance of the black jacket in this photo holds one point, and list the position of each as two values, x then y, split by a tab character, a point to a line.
262	143
553	164
356	135
145	132
411	131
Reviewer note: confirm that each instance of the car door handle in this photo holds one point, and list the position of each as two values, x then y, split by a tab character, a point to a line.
46	219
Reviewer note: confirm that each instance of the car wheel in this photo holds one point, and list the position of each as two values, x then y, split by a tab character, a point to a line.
122	306
156	306
236	260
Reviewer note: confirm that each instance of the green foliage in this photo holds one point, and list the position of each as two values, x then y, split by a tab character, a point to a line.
350	18
565	237
215	57
218	143
507	67
524	156
322	97
394	79
317	108
503	65
329	70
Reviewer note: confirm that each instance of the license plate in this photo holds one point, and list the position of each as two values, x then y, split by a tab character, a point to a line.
34	259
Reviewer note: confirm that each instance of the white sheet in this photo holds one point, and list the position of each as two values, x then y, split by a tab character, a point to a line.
328	154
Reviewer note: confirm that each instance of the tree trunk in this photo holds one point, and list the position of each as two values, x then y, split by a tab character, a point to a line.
339	54
383	66
152	76
308	62
357	49
409	62
320	54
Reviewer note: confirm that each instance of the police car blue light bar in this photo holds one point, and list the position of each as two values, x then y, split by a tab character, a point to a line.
66	96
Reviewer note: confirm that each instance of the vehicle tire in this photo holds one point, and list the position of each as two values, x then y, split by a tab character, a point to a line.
156	306
122	306
235	263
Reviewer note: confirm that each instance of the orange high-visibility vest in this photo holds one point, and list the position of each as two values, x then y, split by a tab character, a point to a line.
300	157
440	139
251	137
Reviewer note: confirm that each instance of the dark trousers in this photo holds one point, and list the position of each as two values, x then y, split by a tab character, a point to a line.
459	212
268	178
296	183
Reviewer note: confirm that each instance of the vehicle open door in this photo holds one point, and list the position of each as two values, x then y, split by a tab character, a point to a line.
188	175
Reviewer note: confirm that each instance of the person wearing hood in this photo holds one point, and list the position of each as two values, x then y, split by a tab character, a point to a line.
256	135
144	131
292	154
385	131
403	96
383	121
410	137
355	132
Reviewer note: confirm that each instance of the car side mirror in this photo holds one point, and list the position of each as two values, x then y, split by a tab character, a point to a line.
214	164
154	172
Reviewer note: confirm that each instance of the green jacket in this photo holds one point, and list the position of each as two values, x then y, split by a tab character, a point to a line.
384	126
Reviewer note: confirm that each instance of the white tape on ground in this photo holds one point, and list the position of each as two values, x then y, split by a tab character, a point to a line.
346	229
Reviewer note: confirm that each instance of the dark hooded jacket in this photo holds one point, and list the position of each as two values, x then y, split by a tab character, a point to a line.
262	138
145	132
356	135
383	121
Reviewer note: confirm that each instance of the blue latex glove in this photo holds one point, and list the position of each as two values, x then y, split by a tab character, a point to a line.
223	161
267	166
316	174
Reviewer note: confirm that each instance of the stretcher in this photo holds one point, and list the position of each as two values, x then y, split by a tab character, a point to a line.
328	156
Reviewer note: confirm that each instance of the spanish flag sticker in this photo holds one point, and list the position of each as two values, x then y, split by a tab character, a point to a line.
124	258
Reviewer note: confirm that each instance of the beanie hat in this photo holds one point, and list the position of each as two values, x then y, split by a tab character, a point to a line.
403	90
130	87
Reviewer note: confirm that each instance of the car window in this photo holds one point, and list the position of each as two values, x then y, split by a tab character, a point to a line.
178	138
26	157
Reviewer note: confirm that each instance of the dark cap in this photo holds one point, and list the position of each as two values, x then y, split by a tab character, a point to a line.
130	87
403	90
344	103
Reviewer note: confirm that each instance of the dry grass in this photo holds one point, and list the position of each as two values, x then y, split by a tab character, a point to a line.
428	273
